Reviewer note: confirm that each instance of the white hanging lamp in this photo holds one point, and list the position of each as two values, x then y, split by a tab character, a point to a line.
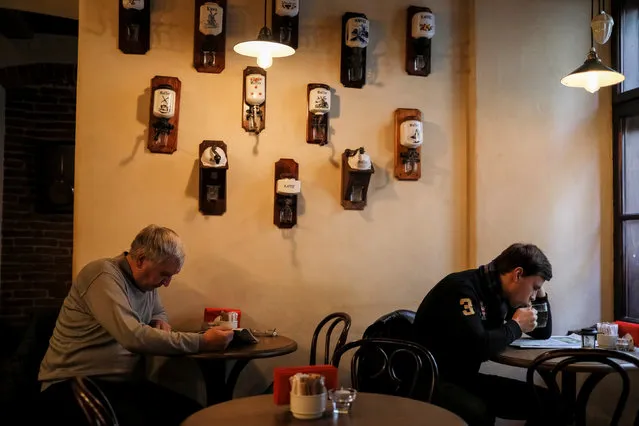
593	74
264	48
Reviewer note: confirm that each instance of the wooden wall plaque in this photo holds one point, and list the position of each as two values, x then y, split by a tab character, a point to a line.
209	36
355	33
134	26
354	179
285	19
420	27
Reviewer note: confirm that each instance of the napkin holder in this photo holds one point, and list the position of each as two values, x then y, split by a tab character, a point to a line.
210	314
282	385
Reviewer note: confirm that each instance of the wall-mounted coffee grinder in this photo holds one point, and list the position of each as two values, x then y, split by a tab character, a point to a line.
213	166
209	38
420	29
319	108
357	169
409	136
287	188
134	27
355	32
254	100
285	21
165	114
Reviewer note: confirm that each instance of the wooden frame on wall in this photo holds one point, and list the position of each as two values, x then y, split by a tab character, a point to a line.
209	36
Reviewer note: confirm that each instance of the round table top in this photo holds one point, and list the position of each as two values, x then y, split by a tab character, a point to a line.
368	410
524	358
267	347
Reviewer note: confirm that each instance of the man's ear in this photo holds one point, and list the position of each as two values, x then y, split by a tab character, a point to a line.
518	272
139	261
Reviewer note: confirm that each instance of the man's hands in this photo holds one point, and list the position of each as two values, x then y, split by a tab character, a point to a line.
216	339
162	325
526	318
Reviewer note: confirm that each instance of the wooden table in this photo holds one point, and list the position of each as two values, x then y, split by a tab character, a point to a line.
368	410
219	388
524	358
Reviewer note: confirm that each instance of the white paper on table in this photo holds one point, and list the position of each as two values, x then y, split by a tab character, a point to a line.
555	342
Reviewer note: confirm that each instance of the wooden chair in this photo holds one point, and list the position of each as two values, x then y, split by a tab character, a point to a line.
393	325
392	367
572	357
94	403
336	318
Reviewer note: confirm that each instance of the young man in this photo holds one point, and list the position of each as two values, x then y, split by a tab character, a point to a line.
471	316
110	319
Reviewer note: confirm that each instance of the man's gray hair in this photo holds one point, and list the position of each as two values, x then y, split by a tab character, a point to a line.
157	243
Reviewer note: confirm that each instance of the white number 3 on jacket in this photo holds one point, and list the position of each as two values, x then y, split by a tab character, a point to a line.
467	304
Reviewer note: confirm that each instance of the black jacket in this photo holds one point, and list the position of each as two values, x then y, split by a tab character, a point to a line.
464	320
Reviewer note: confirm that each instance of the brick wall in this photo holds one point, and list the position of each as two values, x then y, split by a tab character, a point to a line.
35	264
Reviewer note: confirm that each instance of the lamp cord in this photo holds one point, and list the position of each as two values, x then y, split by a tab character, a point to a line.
592	16
265	1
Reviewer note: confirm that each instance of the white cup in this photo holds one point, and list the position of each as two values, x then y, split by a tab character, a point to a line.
308	406
606	342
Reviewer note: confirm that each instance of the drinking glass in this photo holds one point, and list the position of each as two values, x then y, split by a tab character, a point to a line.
542	313
342	399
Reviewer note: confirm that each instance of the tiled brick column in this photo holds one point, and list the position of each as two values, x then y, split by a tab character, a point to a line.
36	248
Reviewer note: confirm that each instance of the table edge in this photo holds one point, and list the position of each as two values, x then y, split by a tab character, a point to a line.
284	350
575	368
243	400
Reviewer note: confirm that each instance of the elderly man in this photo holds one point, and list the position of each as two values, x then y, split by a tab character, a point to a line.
471	316
113	316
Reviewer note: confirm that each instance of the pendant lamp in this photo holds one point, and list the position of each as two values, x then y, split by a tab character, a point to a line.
264	48
593	74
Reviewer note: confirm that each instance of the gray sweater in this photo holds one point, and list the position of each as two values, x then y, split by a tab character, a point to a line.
102	328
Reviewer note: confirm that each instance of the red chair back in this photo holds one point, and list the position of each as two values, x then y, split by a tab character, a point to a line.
628	327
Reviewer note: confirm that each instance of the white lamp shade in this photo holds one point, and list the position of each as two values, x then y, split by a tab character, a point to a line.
257	48
592	75
593	80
